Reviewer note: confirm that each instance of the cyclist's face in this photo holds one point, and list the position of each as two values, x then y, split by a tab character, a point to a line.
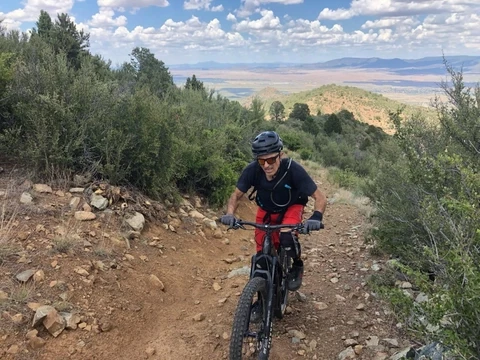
270	169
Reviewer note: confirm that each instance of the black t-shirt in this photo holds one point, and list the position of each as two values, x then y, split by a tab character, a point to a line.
281	192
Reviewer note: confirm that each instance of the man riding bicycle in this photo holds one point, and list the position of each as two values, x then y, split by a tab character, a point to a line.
281	191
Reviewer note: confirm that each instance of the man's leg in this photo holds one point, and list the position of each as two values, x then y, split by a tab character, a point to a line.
293	215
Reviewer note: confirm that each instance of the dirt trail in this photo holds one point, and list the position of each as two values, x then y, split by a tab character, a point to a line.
139	318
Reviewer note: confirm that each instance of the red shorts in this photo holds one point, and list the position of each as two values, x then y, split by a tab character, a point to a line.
293	215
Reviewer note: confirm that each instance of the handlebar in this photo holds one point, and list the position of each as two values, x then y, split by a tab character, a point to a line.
240	224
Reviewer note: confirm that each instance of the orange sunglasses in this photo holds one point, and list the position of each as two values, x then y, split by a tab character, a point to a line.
269	160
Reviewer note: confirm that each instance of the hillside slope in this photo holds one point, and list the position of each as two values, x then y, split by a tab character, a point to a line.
367	107
167	293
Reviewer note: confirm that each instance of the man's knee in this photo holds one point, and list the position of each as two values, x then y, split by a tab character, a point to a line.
290	243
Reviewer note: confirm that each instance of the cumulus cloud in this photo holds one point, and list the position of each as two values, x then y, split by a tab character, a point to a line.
397	8
31	11
105	18
268	21
201	5
248	7
231	17
132	3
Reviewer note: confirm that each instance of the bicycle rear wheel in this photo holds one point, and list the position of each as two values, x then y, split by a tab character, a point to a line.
249	339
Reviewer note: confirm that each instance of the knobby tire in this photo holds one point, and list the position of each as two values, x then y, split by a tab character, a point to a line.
282	297
241	322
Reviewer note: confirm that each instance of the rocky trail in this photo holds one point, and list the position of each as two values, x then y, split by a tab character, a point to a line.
97	283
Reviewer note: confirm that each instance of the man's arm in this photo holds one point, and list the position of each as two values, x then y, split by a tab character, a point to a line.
320	201
233	201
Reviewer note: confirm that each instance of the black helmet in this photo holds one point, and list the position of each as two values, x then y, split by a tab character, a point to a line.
267	142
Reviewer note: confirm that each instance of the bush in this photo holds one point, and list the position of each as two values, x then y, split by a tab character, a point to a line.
428	213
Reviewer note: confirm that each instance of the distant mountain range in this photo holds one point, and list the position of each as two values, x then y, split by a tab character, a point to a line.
426	65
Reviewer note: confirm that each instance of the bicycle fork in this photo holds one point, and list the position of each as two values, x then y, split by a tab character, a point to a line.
270	275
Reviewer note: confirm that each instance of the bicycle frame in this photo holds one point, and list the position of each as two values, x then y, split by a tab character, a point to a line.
270	273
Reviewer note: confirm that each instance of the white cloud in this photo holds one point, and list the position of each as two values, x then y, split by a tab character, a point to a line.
132	3
217	8
104	19
201	5
389	22
31	11
231	17
249	7
268	21
397	8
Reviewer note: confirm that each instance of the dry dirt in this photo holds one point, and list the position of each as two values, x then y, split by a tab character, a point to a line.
126	315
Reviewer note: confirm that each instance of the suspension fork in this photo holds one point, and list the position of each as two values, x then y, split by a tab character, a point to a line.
270	305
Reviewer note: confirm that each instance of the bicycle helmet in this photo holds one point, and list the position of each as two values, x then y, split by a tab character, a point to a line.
267	142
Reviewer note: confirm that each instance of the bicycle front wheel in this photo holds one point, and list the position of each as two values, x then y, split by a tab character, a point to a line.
282	284
250	332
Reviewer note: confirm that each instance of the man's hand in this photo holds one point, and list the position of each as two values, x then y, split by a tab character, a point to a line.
314	222
228	219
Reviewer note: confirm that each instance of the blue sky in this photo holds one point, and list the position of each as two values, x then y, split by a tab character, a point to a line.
190	31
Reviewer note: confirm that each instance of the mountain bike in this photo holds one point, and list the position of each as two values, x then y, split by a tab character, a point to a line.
264	296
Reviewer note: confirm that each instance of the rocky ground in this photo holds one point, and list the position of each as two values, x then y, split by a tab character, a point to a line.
90	271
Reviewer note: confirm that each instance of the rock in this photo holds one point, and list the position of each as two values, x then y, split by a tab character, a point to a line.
196	215
76	190
98	202
33	306
401	354
391	343
31	333
334	280
372	341
320	305
42	313
81	271
218	234
136	221
71	320
300	296
376	267
74	203
84	216
39	276
421	298
358	349
3	296
380	356
26	198
86	207
217	287
42	188
17	318
298	334
24	276
350	342
240	271
60	193
54	323
14	349
150	351
156	282
210	224
348	353
360	307
406	285
199	317
106	326
36	342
